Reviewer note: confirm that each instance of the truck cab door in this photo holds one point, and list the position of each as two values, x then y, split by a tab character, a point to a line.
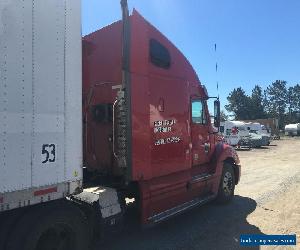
200	137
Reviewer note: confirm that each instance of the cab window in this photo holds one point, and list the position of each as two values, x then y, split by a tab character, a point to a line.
198	112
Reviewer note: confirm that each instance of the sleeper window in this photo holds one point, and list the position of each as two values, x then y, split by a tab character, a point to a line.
159	55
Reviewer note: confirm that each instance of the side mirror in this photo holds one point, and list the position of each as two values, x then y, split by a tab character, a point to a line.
217	117
222	129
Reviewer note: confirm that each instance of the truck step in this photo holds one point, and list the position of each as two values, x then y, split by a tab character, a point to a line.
200	178
181	208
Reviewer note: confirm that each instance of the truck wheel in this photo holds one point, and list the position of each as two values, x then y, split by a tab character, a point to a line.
227	184
7	224
57	228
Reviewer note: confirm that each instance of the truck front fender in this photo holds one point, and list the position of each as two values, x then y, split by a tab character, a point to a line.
224	153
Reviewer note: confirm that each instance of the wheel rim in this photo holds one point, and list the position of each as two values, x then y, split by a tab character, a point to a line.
228	183
58	237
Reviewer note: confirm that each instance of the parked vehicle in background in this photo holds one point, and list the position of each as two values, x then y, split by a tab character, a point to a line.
235	133
292	129
261	129
265	130
259	135
256	140
135	138
269	125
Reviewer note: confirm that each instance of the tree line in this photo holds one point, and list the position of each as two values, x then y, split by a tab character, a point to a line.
276	101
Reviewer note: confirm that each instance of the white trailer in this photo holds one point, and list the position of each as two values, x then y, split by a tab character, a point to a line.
41	130
265	130
292	129
255	126
40	133
234	132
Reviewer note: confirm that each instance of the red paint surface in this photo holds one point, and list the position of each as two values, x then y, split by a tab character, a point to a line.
102	56
162	171
45	191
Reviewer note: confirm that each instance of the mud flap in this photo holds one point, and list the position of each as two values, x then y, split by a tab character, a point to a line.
106	205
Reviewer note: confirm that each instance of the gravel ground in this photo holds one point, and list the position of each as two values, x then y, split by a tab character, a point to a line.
267	201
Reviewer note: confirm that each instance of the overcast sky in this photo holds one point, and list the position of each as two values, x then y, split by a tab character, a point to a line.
258	41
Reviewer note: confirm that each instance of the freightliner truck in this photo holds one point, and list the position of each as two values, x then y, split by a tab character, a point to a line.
86	124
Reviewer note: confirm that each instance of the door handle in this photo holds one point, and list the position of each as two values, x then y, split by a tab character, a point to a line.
206	147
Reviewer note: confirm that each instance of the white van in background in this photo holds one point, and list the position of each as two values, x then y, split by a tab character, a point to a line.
259	132
235	132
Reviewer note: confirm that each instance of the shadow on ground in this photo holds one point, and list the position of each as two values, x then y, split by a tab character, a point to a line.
208	227
263	147
243	149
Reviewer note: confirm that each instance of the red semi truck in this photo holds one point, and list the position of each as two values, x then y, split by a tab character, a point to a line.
144	129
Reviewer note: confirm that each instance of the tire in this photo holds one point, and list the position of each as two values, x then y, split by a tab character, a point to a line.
8	221
227	185
61	227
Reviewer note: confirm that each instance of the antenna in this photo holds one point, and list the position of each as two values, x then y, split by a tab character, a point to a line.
217	69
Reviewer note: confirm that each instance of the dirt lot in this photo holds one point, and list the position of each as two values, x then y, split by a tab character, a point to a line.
267	201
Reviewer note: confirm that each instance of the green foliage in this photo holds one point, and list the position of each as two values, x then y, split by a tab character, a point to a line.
239	104
246	107
256	103
276	101
294	98
276	98
293	115
223	116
